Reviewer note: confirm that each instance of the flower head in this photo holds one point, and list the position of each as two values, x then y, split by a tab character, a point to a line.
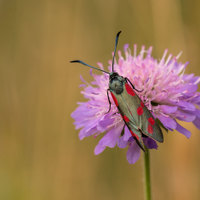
166	90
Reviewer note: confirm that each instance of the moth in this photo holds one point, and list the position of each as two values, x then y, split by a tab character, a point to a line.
135	114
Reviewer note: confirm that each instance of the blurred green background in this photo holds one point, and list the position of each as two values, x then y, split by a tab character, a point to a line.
41	156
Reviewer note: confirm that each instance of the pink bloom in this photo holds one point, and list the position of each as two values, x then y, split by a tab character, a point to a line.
166	91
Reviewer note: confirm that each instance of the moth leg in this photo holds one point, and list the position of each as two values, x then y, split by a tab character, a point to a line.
108	101
133	85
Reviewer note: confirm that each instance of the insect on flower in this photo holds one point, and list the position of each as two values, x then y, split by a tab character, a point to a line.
133	111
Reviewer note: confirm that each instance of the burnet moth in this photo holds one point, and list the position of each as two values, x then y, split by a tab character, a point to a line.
135	114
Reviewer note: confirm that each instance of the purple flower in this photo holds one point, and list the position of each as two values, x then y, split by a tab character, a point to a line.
167	91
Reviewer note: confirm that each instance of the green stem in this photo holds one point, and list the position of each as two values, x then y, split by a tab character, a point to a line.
147	175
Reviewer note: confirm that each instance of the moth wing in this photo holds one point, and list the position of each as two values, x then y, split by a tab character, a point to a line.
142	116
150	127
136	134
128	118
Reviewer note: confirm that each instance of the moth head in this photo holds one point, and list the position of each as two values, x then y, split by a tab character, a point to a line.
116	82
113	75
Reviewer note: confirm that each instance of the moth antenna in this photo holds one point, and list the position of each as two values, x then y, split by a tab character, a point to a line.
79	61
116	41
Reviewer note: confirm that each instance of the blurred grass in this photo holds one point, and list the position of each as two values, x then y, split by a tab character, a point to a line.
41	156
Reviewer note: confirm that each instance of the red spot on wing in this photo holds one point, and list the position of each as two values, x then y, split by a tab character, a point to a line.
151	121
142	104
129	89
126	119
134	135
114	98
150	129
140	110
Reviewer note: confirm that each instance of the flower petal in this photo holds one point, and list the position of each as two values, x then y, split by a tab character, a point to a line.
186	116
99	149
86	133
127	134
196	122
186	105
168	109
197	112
110	139
150	143
126	47
121	143
133	153
106	121
182	130
190	88
168	122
